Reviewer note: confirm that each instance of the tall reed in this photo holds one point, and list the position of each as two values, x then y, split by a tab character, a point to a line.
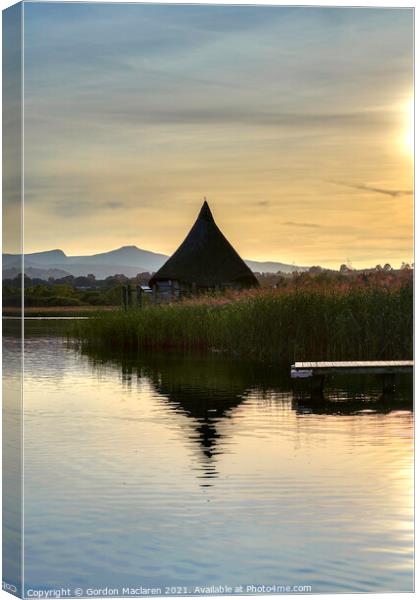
271	325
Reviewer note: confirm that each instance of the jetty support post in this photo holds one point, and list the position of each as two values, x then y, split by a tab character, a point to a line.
388	383
317	385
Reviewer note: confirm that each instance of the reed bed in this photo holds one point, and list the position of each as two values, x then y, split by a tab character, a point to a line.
318	323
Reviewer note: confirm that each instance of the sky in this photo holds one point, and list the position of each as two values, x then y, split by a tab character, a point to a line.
295	123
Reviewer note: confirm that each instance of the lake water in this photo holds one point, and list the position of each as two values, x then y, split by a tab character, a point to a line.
204	471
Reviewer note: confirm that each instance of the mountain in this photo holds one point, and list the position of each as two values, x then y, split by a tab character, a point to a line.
273	267
35	273
128	260
41	258
127	256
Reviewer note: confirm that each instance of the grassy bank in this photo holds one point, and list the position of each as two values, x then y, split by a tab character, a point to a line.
318	323
55	311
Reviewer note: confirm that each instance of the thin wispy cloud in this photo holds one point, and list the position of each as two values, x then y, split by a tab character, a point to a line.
370	188
305	225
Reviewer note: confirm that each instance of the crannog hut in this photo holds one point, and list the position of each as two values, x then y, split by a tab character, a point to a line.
204	261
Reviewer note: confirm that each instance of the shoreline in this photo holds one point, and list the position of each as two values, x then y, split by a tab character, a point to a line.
56	311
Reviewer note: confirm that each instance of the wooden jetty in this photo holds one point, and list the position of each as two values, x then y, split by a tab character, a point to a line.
317	371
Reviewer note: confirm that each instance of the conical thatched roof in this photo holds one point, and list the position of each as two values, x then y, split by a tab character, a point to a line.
206	258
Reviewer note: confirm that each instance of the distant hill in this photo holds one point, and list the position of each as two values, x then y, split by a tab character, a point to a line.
128	260
127	256
35	273
273	267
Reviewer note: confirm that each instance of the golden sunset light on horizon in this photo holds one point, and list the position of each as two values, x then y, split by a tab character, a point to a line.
295	123
409	127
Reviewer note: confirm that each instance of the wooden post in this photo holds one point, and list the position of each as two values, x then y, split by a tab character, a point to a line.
124	297
317	386
139	295
133	296
388	383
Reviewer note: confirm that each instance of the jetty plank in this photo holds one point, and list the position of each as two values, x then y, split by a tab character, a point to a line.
358	366
317	371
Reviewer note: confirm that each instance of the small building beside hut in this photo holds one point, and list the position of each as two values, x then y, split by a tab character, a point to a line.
205	261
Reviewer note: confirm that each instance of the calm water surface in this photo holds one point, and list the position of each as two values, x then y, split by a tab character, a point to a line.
171	471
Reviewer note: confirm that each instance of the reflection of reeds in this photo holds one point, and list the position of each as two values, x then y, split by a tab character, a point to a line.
311	322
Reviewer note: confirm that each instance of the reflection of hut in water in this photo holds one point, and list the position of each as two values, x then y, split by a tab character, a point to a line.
204	261
205	391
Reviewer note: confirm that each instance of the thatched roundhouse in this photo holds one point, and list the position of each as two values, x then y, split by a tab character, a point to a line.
204	261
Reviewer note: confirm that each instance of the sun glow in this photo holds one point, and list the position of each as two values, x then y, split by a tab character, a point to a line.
408	136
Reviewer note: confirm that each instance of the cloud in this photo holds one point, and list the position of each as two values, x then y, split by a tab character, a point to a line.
82	208
370	188
250	116
113	204
296	224
108	112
